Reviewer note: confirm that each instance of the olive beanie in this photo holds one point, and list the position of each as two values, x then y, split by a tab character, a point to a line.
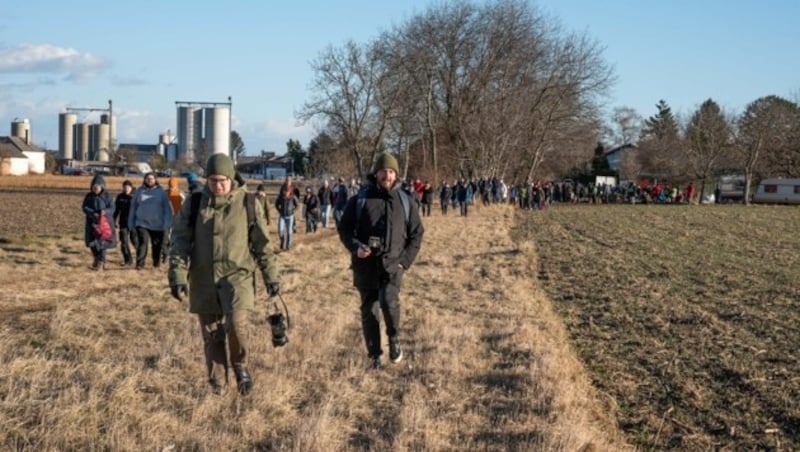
220	164
386	161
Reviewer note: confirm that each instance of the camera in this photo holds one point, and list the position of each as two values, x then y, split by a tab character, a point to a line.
278	325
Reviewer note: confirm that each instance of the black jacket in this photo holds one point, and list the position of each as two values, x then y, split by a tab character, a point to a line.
122	207
382	217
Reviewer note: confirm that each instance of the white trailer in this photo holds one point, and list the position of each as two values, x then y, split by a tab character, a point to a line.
778	191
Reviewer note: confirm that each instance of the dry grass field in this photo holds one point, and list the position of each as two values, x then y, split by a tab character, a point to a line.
108	361
686	317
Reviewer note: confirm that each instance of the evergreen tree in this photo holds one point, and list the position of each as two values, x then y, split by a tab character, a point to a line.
662	126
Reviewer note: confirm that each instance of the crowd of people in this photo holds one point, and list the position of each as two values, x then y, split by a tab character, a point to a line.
379	222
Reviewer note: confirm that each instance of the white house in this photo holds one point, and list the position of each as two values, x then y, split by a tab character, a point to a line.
18	158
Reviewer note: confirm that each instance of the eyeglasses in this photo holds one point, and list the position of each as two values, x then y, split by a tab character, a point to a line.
217	180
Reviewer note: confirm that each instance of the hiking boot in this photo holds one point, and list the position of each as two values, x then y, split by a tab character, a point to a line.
243	381
395	353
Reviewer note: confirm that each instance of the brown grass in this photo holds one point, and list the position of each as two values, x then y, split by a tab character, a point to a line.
686	317
108	361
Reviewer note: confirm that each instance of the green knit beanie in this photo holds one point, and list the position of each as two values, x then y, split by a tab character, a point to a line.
220	164
386	161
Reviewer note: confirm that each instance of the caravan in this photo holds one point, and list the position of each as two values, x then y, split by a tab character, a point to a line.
778	191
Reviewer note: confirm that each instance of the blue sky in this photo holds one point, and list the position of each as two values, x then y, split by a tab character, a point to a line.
145	55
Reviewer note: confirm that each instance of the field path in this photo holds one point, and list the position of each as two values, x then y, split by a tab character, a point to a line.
109	361
486	364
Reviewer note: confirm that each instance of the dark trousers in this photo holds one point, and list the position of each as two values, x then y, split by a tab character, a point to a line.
463	208
381	300
126	238
143	238
98	254
444	207
426	209
219	351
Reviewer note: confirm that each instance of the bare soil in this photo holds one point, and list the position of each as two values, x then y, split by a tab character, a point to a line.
687	317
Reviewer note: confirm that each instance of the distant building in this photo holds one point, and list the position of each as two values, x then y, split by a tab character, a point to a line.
266	166
18	158
615	156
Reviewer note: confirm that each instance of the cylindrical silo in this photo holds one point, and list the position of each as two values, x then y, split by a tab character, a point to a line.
190	129
81	147
218	130
21	128
66	138
101	141
112	123
92	142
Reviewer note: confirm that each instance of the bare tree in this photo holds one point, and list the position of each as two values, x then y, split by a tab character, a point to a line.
708	139
627	126
766	129
346	95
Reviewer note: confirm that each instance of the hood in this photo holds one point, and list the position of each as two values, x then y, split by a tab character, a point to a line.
98	180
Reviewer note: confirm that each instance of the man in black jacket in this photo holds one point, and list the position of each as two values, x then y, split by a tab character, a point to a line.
381	229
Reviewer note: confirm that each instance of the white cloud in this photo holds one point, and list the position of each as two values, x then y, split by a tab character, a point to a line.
46	58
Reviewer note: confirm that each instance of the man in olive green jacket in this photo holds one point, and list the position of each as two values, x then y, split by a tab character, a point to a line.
217	260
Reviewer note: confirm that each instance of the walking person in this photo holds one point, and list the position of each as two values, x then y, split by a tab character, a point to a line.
150	216
445	193
122	208
426	199
215	253
261	197
286	204
310	210
98	231
325	195
176	198
382	230
340	197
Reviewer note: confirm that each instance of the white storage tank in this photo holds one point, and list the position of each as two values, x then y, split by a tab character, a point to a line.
102	148
112	123
66	137
21	128
81	145
190	131
218	130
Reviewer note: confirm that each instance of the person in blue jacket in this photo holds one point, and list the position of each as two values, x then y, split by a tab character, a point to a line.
150	216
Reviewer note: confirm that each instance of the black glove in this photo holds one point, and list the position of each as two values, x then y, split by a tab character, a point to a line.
179	291
273	289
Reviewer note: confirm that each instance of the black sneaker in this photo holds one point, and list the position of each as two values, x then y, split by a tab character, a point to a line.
375	363
395	354
243	381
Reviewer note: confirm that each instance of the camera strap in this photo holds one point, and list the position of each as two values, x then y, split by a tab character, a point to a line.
277	308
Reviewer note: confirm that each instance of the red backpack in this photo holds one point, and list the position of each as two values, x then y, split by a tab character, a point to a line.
102	229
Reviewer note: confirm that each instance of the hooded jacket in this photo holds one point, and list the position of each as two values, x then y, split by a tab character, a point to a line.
216	258
383	217
93	204
150	209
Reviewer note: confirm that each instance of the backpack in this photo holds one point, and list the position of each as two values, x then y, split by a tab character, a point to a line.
102	229
249	205
361	201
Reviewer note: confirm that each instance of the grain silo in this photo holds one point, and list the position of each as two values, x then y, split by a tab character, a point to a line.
190	131
66	137
103	142
218	130
21	128
81	145
111	120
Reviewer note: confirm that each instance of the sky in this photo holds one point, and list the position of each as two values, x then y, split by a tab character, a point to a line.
146	55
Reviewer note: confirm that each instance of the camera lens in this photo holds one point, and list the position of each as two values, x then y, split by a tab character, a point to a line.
277	323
